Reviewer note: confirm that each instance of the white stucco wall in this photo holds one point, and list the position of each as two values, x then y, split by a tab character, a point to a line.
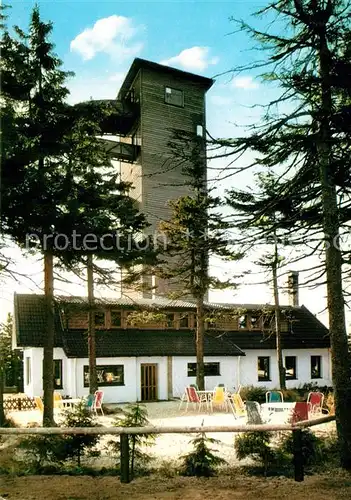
234	370
248	371
35	387
228	373
131	390
113	394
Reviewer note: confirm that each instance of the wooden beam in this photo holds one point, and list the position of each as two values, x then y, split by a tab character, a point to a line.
125	477
298	455
162	429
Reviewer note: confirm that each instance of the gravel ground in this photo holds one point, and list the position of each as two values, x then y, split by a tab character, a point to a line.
169	447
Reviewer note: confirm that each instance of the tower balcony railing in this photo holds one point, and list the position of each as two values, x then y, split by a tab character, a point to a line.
118	150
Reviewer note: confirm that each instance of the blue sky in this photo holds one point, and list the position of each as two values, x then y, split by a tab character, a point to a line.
98	41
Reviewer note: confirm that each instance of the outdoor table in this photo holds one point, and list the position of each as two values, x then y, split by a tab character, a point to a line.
278	410
71	402
277	407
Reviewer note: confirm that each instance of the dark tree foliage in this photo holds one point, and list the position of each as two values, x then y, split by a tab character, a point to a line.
58	185
195	232
306	136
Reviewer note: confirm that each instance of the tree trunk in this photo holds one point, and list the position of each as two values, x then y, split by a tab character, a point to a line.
200	330
333	263
278	336
93	385
48	361
2	383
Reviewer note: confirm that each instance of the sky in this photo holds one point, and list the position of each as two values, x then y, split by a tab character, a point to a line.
99	40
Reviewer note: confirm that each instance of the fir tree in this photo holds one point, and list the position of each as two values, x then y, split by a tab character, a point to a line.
195	232
310	62
57	180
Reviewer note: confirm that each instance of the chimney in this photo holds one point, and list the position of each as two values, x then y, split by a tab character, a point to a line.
293	288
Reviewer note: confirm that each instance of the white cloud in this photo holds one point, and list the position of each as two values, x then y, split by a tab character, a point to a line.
244	82
84	89
110	35
195	58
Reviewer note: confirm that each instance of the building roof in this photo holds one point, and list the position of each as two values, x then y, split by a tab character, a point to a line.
160	68
304	330
132	342
159	303
30	321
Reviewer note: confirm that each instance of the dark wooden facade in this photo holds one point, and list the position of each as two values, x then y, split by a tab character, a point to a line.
156	173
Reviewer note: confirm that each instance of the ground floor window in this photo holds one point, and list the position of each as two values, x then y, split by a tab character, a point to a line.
290	368
316	366
211	369
263	368
106	375
58	383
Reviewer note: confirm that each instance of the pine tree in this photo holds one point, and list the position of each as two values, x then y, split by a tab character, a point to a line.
257	230
195	231
58	185
310	144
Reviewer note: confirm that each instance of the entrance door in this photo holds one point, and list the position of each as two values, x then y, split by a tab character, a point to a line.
148	382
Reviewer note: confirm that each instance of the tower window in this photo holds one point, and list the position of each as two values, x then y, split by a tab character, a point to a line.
199	130
174	97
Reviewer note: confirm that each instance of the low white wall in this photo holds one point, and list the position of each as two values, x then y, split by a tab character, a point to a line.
131	390
35	388
228	373
248	371
116	393
234	370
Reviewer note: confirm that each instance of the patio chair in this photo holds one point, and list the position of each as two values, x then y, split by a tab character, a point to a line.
299	412
97	405
58	400
89	401
315	403
274	397
183	399
219	398
192	397
238	405
254	416
39	403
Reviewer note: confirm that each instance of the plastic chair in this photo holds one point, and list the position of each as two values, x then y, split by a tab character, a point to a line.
194	398
300	412
39	403
89	402
315	403
97	405
238	405
219	398
274	397
57	400
253	410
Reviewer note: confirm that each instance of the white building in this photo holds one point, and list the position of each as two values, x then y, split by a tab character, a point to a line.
148	362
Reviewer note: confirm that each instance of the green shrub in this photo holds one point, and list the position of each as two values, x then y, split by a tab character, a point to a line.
312	447
291	395
76	446
46	453
258	447
134	415
251	393
43	452
201	461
